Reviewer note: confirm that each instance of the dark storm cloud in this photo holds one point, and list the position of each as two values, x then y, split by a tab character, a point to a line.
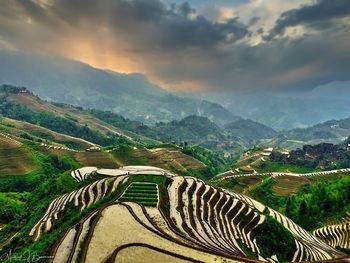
319	15
179	47
150	21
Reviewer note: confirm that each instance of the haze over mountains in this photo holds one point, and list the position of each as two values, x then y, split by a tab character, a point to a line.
269	119
234	137
283	111
333	131
133	96
19	104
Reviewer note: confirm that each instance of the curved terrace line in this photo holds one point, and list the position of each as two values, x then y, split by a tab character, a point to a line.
223	176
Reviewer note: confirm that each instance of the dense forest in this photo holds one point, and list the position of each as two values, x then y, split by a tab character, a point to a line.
313	205
23	199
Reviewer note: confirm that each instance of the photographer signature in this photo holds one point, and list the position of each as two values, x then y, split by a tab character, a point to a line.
25	257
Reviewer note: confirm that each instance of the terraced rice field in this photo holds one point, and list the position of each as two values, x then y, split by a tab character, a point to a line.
250	160
101	244
231	174
186	219
285	184
81	198
309	247
336	234
143	254
15	158
102	159
282	186
83	173
143	193
177	159
166	158
16	128
289	185
58	147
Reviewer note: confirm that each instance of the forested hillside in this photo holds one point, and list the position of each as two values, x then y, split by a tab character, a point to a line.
105	128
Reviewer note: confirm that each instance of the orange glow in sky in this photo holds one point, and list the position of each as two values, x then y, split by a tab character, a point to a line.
104	58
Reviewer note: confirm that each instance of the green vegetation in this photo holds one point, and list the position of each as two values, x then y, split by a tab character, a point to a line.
12	206
56	123
121	122
6	124
192	130
24	199
162	183
273	239
250	130
313	205
142	193
268	166
334	129
228	184
214	161
263	192
123	152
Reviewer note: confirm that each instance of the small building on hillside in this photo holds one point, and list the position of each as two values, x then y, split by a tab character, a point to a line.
93	149
267	151
227	155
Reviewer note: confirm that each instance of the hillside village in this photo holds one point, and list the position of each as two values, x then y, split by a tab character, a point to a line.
323	156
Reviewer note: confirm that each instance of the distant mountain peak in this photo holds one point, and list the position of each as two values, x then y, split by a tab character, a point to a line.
131	95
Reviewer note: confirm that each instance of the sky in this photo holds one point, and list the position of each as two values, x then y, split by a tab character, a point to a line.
198	45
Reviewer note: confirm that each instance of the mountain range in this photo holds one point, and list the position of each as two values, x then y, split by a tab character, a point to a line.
143	108
132	95
102	127
292	110
66	81
334	131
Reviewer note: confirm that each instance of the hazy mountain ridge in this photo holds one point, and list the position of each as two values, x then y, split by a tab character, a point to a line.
195	129
284	112
103	127
334	131
131	95
250	130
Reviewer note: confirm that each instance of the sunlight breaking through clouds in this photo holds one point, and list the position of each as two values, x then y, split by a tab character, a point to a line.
249	45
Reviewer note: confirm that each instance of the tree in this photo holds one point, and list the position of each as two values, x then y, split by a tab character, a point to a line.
303	209
289	208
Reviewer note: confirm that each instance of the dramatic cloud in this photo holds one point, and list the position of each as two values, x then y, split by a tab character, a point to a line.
256	44
322	14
